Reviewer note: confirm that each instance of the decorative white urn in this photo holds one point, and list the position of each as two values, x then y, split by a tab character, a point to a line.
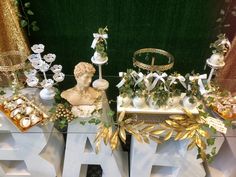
47	93
98	58
187	104
152	103
216	59
139	102
173	101
124	101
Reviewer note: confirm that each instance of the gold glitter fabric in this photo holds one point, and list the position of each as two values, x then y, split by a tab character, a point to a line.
227	76
12	38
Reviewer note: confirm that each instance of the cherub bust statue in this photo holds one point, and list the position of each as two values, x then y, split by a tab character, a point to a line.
83	98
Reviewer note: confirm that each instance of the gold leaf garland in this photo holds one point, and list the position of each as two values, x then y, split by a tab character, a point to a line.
180	127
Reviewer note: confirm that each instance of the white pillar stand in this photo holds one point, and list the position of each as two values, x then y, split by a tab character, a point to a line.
170	159
224	164
80	152
100	83
35	153
213	68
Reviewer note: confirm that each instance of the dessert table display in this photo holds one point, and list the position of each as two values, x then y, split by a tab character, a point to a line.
176	121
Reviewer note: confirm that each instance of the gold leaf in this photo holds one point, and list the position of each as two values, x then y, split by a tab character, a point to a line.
147	128
129	129
134	132
177	117
164	125
185	135
138	124
188	113
121	116
114	140
153	138
203	133
145	138
127	121
178	136
104	132
200	143
98	136
97	147
122	134
172	123
168	135
138	137
157	131
109	132
193	127
191	145
192	133
107	135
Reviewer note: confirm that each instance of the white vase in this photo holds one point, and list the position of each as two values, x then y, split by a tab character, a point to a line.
126	101
139	102
187	104
173	101
152	103
98	58
47	93
216	59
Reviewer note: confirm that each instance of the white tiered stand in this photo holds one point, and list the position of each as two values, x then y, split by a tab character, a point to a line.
35	153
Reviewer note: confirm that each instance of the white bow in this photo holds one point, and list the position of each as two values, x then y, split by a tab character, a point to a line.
180	78
96	38
200	83
122	82
140	79
157	78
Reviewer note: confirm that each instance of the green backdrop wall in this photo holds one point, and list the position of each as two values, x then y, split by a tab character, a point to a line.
183	27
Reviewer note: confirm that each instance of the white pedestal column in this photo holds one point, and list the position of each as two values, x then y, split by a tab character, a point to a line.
35	153
80	152
224	164
170	159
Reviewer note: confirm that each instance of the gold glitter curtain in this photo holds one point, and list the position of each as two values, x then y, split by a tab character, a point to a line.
13	43
227	76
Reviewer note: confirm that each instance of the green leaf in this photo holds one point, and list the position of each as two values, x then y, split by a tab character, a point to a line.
16	2
200	106
30	12
33	24
52	110
23	23
213	130
97	121
35	28
82	122
91	121
27	4
213	151
110	113
228	123
2	92
209	158
211	141
19	15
